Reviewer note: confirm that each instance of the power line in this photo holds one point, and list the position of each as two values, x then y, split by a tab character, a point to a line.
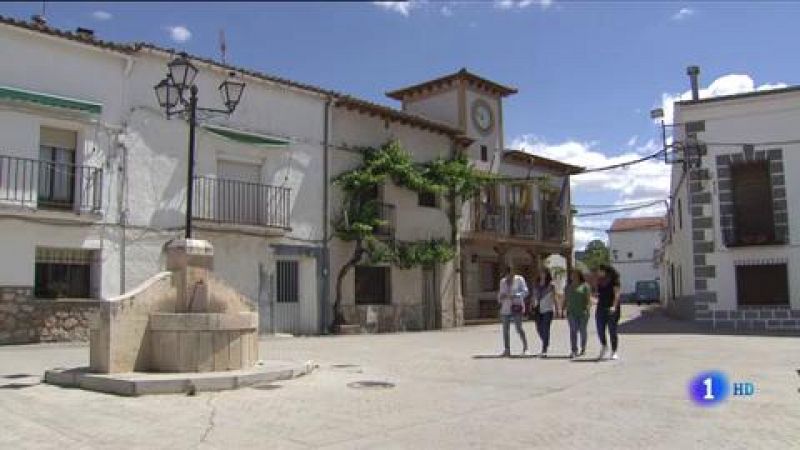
618	205
625	164
618	210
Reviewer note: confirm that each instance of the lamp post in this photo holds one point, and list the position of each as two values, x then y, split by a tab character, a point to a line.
171	93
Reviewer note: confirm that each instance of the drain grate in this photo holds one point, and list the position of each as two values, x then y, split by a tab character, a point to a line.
369	384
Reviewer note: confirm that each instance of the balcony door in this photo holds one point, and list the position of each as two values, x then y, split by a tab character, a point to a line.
520	201
239	194
56	168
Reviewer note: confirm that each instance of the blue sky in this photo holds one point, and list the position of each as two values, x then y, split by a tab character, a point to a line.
587	72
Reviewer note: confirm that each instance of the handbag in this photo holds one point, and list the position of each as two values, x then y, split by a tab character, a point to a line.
517	309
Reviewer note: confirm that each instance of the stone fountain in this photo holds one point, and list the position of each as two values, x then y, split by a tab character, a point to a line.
183	330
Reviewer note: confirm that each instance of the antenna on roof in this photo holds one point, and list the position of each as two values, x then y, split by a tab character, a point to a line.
222	46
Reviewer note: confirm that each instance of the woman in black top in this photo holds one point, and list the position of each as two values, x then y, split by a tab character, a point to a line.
607	314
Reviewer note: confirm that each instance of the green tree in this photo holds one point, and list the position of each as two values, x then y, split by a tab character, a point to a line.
360	218
596	254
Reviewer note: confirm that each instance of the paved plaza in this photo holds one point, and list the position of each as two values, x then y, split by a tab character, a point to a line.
450	391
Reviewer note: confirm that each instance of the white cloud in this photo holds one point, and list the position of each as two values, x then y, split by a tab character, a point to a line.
520	4
683	13
102	15
725	85
179	33
446	11
632	141
403	8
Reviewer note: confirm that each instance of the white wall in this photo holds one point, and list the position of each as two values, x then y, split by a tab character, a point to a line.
641	265
442	106
761	119
351	129
132	126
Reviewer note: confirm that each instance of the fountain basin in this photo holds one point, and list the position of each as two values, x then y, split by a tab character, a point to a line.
203	342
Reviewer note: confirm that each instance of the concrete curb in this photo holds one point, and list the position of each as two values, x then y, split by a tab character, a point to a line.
139	383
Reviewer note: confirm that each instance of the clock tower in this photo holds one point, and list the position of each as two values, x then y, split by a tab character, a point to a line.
466	101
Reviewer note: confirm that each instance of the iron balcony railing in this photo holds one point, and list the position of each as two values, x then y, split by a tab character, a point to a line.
523	223
43	184
241	203
489	219
386	213
554	227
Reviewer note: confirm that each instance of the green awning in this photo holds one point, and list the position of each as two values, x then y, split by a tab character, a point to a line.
246	137
56	101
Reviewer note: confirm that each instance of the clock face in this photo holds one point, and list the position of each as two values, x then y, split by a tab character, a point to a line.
482	116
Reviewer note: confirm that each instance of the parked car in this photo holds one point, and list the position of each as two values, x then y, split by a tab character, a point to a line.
647	291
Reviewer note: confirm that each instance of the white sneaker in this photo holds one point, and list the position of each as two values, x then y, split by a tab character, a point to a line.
524	352
602	353
614	356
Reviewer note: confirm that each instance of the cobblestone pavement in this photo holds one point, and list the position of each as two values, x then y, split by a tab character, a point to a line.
449	392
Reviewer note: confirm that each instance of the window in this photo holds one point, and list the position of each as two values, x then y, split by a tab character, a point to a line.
630	255
287	281
373	285
56	167
680	215
427	199
484	153
759	285
752	204
489	276
63	273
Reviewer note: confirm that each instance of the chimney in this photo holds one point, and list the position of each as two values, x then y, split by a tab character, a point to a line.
693	72
84	33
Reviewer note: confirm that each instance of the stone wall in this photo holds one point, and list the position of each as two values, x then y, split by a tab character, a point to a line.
24	319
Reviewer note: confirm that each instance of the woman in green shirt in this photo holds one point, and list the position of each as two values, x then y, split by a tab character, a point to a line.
578	301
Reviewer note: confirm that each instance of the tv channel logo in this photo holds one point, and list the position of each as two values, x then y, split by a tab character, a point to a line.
713	387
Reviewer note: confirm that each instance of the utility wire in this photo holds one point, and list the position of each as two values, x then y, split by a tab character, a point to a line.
613	211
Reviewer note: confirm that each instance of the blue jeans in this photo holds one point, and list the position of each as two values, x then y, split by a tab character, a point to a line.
577	326
517	318
543	322
606	319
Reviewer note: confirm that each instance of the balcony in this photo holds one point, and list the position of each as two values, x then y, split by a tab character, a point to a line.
523	223
232	202
518	223
553	227
386	213
489	219
43	184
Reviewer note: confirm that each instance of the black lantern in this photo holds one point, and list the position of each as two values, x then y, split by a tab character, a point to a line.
167	93
182	72
231	91
178	88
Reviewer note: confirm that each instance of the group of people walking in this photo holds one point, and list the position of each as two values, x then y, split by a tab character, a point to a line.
516	301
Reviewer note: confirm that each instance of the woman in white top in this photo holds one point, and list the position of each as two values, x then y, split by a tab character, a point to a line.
511	297
544	302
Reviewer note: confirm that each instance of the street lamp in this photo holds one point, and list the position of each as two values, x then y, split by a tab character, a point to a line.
171	94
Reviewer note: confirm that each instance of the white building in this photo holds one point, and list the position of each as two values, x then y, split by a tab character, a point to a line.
633	244
93	179
731	253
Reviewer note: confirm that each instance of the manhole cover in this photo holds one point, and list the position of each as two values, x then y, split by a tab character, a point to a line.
265	387
344	366
370	385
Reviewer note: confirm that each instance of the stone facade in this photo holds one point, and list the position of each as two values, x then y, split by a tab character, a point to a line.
24	319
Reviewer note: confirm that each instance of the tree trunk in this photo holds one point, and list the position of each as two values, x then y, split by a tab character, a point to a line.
338	317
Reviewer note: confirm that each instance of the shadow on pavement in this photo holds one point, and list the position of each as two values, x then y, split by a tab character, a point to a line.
14	376
17	385
653	320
